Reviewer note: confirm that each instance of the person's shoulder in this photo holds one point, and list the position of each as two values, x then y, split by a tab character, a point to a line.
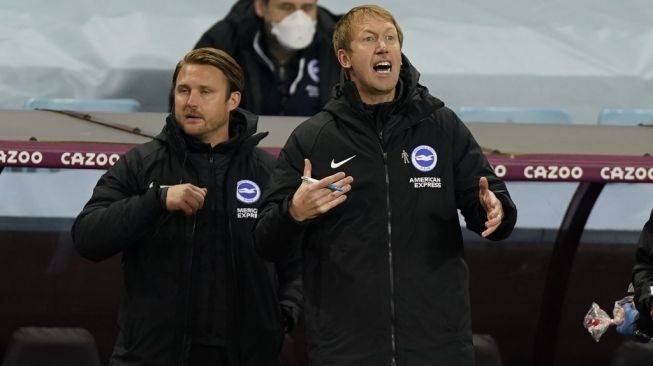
428	103
326	23
438	118
242	10
648	227
263	157
445	113
141	150
423	103
147	148
316	122
144	154
326	18
308	131
226	33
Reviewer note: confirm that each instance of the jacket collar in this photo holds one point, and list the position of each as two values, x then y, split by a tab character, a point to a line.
412	100
242	134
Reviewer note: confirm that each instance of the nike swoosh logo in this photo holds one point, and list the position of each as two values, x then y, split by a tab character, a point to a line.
335	165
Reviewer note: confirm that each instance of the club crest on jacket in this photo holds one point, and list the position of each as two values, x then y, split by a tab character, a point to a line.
424	158
247	191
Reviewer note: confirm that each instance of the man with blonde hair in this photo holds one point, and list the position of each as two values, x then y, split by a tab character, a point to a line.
181	209
384	170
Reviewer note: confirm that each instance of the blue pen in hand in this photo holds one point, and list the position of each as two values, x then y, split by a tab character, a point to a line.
331	186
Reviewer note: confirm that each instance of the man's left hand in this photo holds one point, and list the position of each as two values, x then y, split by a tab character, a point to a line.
492	205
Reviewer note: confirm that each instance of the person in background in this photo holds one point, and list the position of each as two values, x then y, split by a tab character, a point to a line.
284	47
180	209
370	189
642	278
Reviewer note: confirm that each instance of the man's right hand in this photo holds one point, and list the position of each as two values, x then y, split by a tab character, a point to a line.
185	197
313	199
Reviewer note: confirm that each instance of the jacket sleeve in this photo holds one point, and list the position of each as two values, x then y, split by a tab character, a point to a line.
276	233
643	270
470	165
119	213
288	269
291	297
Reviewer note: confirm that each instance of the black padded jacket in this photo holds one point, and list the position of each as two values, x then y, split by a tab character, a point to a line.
125	215
643	277
385	279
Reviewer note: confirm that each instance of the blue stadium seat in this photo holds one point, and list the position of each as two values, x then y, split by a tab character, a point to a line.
84	105
625	116
514	114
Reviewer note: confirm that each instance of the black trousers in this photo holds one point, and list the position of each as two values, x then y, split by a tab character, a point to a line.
201	355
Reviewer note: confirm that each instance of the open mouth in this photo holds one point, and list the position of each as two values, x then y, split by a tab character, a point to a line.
383	67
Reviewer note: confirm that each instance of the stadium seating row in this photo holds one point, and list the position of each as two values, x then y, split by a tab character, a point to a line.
607	116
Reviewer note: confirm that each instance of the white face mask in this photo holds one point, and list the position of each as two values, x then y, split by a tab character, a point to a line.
295	31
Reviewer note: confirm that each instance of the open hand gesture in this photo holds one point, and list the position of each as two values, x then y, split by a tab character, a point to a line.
313	199
492	205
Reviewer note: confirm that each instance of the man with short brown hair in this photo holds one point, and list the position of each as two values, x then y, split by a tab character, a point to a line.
180	209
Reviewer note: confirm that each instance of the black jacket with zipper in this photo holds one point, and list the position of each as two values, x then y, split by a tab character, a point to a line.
236	34
125	215
385	278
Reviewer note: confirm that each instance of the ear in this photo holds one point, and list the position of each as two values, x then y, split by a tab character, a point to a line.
234	101
259	8
343	59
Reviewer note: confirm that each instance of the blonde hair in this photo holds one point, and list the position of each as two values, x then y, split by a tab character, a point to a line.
342	34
